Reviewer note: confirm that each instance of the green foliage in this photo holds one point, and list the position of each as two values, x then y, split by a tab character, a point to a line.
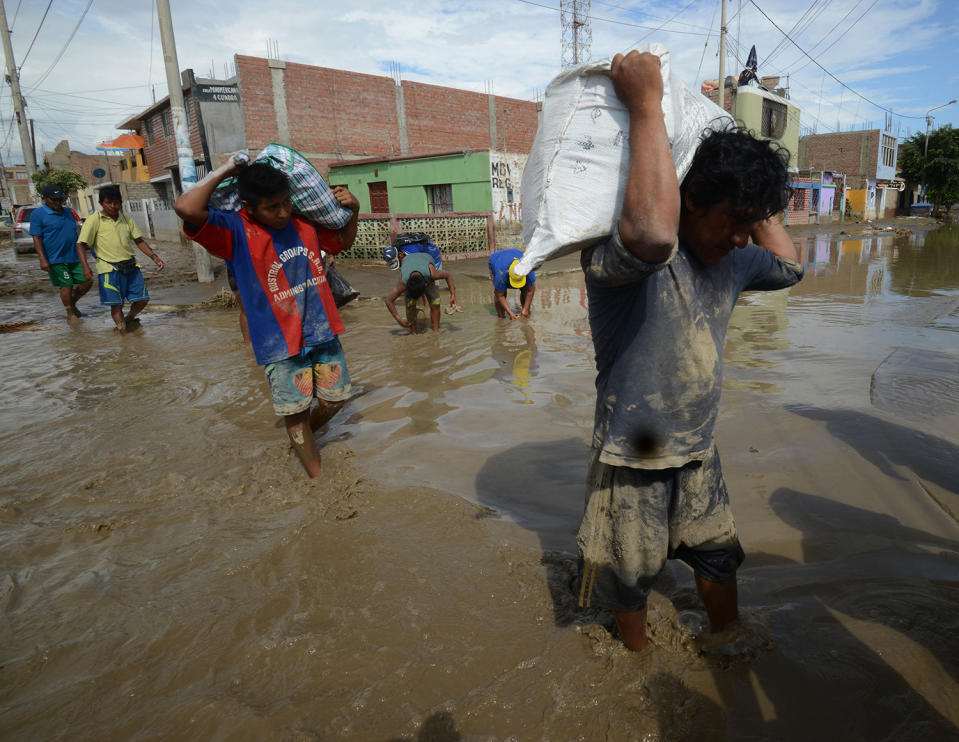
937	168
67	180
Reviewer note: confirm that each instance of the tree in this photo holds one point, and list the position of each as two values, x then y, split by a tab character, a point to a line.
935	165
67	180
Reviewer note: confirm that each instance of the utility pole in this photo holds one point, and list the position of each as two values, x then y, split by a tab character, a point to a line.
181	132
13	77
7	202
33	141
722	57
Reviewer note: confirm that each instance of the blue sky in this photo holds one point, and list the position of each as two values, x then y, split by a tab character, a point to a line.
890	55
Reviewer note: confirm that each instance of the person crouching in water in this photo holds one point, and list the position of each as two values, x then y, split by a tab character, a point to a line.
292	318
501	264
418	276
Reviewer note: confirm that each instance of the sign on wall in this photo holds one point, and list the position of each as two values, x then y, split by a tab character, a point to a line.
217	93
506	172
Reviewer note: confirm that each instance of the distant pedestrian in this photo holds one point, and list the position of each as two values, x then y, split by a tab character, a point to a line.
111	235
501	264
54	230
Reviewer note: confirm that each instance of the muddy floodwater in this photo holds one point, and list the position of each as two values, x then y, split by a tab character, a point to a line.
168	573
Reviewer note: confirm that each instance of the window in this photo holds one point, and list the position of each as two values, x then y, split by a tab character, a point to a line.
148	128
774	119
165	119
888	151
439	198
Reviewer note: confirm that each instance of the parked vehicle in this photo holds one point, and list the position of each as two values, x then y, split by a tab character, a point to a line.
20	232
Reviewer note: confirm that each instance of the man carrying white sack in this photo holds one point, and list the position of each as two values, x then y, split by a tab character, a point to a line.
661	291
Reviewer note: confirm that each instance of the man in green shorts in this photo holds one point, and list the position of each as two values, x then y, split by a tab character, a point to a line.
418	276
54	231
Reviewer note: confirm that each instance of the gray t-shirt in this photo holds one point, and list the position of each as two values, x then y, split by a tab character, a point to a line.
418	262
658	332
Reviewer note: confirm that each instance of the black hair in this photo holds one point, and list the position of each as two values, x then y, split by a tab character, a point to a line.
732	164
110	193
415	285
259	181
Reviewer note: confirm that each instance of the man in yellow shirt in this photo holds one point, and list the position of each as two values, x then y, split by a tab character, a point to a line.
111	234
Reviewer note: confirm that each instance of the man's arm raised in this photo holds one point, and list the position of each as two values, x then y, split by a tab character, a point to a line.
650	217
771	235
191	206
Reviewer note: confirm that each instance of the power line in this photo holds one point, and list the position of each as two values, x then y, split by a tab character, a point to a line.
839	38
795	29
855	92
73	33
619	23
678	13
705	46
23	61
643	12
95	90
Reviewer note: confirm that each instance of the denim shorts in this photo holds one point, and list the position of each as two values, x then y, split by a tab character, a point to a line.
318	371
117	287
636	519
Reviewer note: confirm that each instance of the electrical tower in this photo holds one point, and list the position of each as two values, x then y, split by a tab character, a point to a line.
577	35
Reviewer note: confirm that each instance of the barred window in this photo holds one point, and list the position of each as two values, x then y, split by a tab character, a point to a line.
148	128
439	198
165	119
774	119
888	151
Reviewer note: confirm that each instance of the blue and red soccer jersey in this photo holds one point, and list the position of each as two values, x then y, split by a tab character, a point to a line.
280	277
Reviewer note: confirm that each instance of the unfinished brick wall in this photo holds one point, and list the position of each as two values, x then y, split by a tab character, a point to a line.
855	153
161	149
336	114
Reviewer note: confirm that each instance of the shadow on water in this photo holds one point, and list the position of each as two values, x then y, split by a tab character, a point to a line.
859	645
440	727
542	485
885	444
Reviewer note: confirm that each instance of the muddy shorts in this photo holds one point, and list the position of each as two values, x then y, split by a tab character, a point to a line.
67	274
432	295
117	287
636	519
318	371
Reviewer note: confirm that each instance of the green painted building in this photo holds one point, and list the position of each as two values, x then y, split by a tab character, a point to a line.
771	116
419	184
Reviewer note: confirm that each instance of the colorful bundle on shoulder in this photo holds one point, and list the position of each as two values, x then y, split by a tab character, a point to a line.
312	197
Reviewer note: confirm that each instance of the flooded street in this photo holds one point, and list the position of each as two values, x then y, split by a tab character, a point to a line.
167	571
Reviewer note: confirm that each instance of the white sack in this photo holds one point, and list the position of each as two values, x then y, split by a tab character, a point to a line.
575	177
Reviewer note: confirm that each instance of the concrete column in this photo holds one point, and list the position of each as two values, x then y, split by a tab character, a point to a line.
279	100
492	122
401	119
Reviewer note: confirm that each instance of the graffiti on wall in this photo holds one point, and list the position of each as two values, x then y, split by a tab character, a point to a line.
506	173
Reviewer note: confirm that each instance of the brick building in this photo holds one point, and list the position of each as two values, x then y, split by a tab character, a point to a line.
868	160
329	116
18	182
334	115
64	158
